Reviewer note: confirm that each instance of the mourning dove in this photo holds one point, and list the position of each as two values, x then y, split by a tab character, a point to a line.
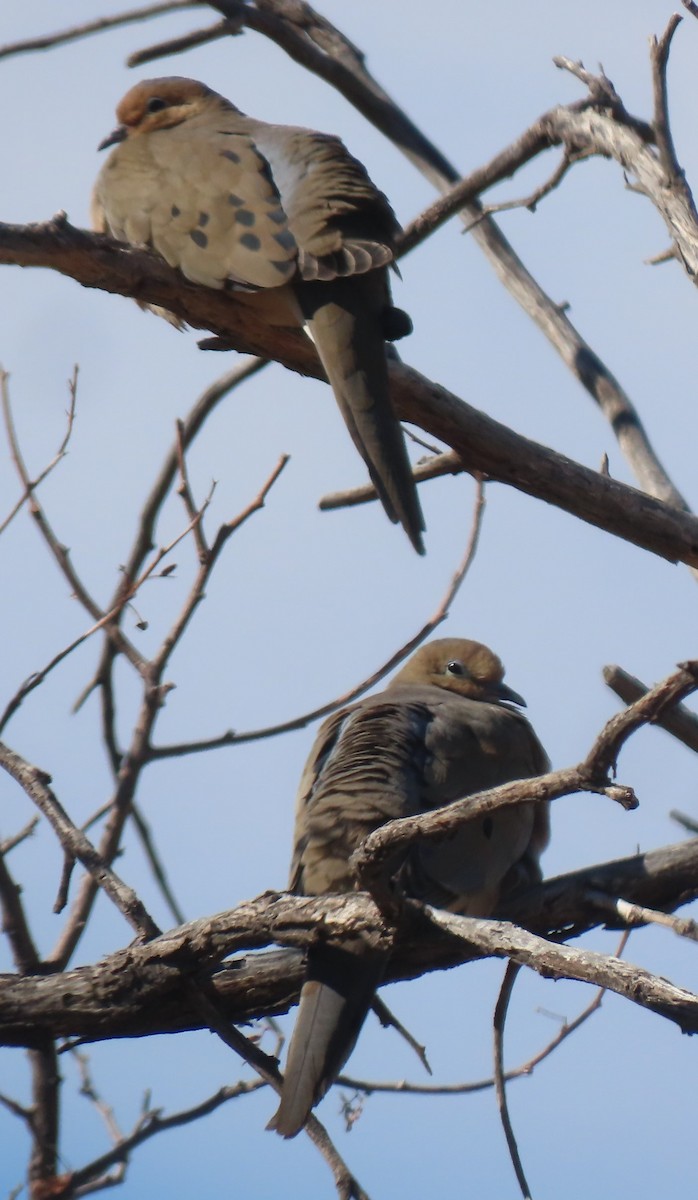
443	729
288	219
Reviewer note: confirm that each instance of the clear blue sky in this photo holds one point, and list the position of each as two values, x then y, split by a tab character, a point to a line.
306	604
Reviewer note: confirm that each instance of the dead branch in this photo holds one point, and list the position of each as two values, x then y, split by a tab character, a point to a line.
232	738
142	990
679	720
77	32
484	446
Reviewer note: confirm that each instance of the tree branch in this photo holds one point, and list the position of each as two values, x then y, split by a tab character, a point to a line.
485	446
142	989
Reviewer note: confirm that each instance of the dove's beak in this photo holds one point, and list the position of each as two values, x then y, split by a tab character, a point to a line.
116	135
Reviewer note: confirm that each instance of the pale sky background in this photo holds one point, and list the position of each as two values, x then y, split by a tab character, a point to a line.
304	604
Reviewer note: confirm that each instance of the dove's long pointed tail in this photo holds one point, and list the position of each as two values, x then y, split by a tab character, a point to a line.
346	320
335	999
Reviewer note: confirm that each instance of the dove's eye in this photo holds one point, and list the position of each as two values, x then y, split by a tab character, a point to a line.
155	104
455	668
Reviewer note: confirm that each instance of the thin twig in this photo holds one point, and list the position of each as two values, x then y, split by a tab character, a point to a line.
157	867
266	1067
206	404
533	200
17	838
151	1123
402	1087
659	54
448	463
49	40
233	738
17	1109
35	784
106	620
58	456
188	41
59	551
185	492
89	1090
678	721
197	591
154	695
14	922
686	822
389	1021
637	914
500	1013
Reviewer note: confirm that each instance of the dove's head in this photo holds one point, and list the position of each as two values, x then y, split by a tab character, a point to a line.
464	667
156	104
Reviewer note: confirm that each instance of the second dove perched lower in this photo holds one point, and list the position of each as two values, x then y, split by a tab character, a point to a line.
292	222
443	729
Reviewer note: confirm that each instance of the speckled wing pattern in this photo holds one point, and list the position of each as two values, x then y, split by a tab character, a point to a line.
236	202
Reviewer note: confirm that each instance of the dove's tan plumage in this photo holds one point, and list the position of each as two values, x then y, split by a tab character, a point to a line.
442	730
288	216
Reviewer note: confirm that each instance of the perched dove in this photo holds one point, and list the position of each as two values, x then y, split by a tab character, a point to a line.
442	730
287	218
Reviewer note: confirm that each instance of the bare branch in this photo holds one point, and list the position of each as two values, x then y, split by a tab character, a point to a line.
549	958
144	541
312	41
59	551
637	914
485	446
567	1028
35	784
48	41
678	720
43	1160
500	1013
196	593
9	843
150	1124
389	1021
60	453
533	200
189	41
659	53
448	463
266	1067
687	823
156	865
141	990
185	492
232	738
17	1110
14	920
